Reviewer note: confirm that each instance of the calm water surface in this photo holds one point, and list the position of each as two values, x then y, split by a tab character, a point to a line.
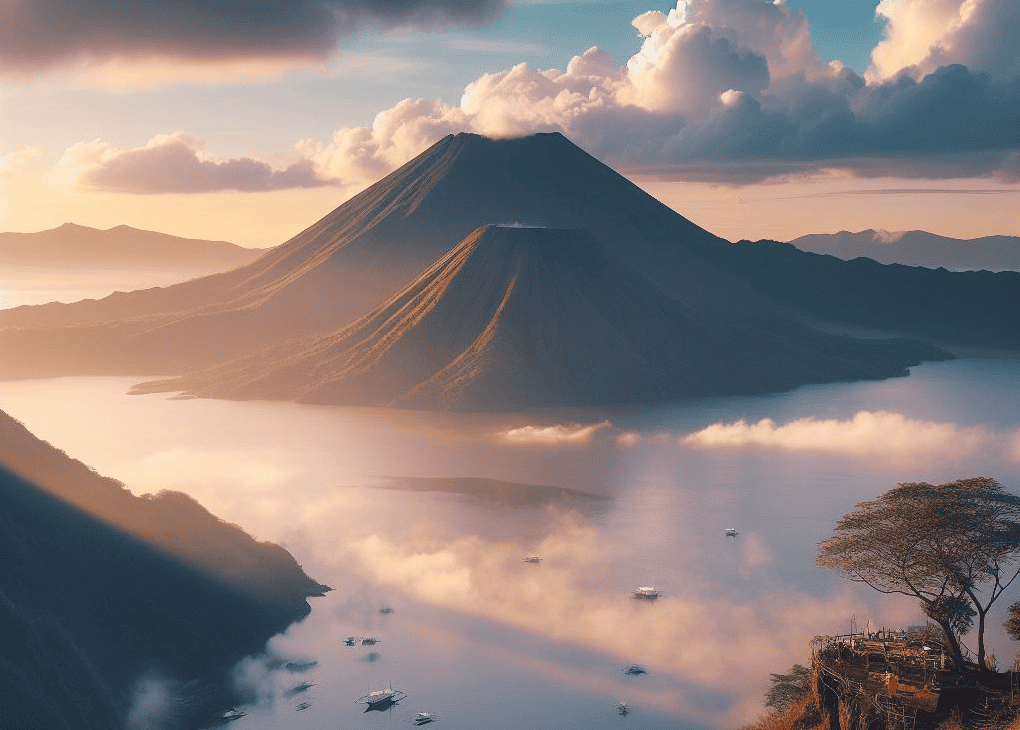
486	640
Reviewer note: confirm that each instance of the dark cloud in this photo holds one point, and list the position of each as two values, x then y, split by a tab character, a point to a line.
42	34
953	123
174	165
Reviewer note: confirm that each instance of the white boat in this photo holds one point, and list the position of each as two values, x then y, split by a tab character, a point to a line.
382	699
370	640
424	717
646	592
532	559
731	532
622	707
232	714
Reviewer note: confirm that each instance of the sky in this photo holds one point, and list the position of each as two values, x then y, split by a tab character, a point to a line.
248	121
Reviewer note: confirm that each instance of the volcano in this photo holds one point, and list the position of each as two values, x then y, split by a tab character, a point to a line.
517	317
358	258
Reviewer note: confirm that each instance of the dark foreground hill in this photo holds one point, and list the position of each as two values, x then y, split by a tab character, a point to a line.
527	316
79	247
99	587
367	250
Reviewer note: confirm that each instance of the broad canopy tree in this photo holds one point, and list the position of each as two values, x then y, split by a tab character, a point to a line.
953	546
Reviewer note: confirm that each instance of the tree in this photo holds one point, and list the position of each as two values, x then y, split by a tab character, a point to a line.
788	688
953	546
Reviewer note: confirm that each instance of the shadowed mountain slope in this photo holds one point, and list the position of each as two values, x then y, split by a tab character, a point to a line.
969	307
88	603
122	247
516	317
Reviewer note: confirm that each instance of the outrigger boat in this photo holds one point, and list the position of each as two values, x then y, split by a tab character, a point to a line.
731	532
532	559
622	708
424	717
381	699
232	714
646	592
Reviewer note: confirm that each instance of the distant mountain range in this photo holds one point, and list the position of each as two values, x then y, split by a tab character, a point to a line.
98	587
339	311
918	248
78	247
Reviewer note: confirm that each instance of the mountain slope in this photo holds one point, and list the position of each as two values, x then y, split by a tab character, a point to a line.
918	248
99	587
516	317
72	247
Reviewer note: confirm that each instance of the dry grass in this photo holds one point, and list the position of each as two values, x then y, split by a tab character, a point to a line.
801	715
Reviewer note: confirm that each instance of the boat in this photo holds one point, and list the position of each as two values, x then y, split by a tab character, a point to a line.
301	706
381	699
635	669
532	559
232	714
370	640
386	610
646	592
622	707
351	640
731	532
424	717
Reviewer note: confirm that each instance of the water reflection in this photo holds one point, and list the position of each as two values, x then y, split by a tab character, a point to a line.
609	500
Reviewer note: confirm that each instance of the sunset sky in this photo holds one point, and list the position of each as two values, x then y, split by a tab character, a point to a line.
247	121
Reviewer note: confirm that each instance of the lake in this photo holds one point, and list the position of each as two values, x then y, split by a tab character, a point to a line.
412	512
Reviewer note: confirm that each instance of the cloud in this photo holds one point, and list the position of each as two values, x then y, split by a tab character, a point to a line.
42	35
880	433
573	434
923	35
721	91
727	91
174	163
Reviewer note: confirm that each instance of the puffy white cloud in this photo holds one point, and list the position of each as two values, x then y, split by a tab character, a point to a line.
922	35
173	163
879	433
733	91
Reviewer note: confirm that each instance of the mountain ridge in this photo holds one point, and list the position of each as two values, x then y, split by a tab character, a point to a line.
918	248
121	247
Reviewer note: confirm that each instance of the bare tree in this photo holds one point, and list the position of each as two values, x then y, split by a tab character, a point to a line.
954	546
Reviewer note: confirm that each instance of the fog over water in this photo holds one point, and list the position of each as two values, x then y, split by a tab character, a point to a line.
420	513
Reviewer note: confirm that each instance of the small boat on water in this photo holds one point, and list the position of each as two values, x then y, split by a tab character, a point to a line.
635	669
301	706
232	714
532	559
381	699
351	640
370	640
622	708
731	532
424	717
647	593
